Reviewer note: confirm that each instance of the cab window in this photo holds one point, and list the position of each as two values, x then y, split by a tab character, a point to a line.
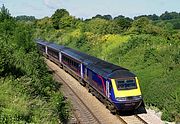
126	84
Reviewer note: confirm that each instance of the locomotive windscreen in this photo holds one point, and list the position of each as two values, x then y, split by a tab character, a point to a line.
126	84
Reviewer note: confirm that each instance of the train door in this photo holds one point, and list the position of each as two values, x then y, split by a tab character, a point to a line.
82	74
46	49
60	57
107	88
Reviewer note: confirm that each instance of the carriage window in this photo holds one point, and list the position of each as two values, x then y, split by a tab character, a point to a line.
77	65
53	53
126	84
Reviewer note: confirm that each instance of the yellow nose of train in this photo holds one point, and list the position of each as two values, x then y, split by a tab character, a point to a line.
127	93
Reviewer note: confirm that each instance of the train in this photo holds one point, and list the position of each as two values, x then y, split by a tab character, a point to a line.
115	86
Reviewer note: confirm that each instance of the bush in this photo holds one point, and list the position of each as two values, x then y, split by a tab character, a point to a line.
28	93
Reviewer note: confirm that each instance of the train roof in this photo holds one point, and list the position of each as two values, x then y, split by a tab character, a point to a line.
42	42
56	47
85	58
101	67
121	74
51	45
106	69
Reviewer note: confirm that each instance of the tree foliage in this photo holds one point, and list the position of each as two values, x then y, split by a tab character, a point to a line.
153	17
169	15
4	14
122	23
106	17
25	18
56	17
24	78
99	26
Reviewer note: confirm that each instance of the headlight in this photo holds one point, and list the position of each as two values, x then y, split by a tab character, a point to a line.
121	99
137	97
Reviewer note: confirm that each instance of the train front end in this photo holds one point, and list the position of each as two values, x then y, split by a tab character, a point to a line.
126	93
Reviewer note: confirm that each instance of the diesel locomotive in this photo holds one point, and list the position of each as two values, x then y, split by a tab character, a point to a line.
115	86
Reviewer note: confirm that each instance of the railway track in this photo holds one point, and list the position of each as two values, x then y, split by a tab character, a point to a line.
133	119
82	114
82	108
142	120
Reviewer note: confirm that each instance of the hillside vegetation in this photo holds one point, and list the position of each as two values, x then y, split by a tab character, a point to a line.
28	94
148	45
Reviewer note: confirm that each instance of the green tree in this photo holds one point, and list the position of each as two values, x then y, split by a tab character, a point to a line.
67	21
25	18
59	13
5	57
106	17
169	15
98	26
7	24
176	24
139	25
6	29
122	23
4	14
25	78
44	23
23	38
145	26
151	17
